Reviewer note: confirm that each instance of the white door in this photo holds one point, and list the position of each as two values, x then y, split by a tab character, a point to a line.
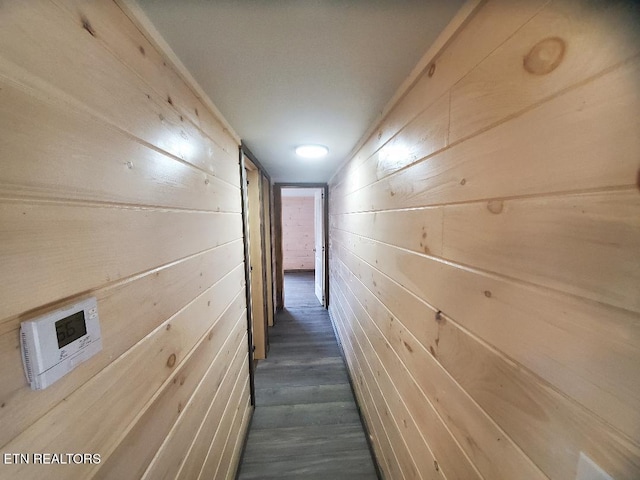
318	214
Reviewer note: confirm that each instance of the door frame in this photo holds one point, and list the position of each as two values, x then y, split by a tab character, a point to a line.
247	270
257	259
277	237
319	244
247	159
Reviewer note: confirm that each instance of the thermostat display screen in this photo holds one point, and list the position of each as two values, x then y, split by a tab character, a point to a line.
70	328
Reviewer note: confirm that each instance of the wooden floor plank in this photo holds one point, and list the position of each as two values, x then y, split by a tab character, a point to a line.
309	350
304	394
330	413
345	465
296	441
299	337
277	362
299	375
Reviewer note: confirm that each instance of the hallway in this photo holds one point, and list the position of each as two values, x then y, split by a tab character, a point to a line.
306	423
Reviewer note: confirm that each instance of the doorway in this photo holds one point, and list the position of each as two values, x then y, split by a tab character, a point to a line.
256	208
301	237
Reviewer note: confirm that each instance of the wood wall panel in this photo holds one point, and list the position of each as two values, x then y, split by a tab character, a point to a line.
120	35
44	48
129	311
434	390
423	136
200	449
492	24
232	461
226	469
120	392
413	412
404	462
72	156
416	229
82	247
497	271
582	244
595	123
545	332
383	449
503	394
213	462
118	182
298	240
567	43
207	365
184	448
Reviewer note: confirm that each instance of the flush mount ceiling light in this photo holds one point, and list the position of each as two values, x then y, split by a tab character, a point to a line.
311	151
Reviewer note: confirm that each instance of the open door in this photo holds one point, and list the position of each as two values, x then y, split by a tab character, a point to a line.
268	247
258	312
319	249
256	260
247	275
320	239
256	229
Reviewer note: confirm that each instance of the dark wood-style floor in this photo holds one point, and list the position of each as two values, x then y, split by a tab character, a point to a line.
306	424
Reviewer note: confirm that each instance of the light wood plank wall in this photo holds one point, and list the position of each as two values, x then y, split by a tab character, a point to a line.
118	181
297	233
485	251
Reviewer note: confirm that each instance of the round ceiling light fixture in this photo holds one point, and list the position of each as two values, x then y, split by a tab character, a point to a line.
312	151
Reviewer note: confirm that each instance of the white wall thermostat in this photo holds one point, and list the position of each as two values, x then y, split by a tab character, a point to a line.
55	343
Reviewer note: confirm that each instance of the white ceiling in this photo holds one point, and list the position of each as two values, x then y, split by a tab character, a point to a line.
289	72
299	192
